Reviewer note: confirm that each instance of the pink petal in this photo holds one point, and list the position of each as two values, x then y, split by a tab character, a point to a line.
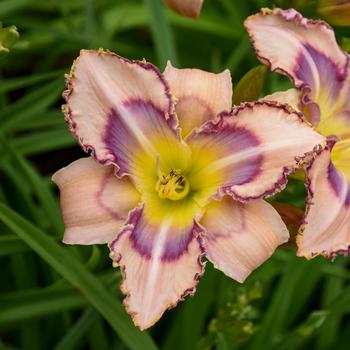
160	261
188	8
290	97
255	148
200	96
119	109
94	202
240	237
304	50
326	230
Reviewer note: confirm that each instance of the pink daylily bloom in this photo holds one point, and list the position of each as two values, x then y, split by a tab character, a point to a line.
307	52
188	8
171	174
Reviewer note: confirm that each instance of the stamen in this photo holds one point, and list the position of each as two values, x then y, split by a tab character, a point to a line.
173	186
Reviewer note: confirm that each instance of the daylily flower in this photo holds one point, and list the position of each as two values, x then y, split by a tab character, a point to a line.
307	52
164	184
188	8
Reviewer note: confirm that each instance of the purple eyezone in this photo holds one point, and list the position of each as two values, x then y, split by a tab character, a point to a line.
338	184
236	140
330	74
119	135
143	238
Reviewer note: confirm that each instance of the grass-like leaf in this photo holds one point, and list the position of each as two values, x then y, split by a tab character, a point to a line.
74	272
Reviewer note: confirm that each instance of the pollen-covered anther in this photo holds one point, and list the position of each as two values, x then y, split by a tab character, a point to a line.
174	186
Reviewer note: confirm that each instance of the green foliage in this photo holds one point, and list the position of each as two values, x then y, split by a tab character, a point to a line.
234	323
250	87
54	296
346	44
75	273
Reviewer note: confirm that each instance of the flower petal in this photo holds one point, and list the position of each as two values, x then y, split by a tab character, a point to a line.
200	95
254	149
94	202
337	121
240	237
304	50
160	259
120	109
326	228
290	97
188	8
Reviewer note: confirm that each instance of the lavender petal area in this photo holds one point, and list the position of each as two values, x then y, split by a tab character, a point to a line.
148	239
241	140
292	15
228	141
339	184
331	77
130	129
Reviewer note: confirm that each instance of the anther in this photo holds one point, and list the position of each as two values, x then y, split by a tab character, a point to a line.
173	186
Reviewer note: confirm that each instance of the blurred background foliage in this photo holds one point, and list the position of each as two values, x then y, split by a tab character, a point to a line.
60	297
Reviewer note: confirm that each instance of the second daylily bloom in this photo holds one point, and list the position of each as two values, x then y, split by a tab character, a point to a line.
307	52
169	168
188	8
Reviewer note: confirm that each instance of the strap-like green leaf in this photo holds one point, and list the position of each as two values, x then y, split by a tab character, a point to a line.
161	32
250	86
74	272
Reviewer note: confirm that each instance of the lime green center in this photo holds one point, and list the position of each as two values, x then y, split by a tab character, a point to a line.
174	186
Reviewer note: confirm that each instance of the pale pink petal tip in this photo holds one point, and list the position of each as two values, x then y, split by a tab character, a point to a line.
200	96
94	202
115	107
240	237
188	8
160	265
326	225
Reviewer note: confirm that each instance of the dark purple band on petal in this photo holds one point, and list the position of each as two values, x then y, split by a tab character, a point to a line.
144	237
236	140
332	77
240	140
338	183
86	108
121	141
